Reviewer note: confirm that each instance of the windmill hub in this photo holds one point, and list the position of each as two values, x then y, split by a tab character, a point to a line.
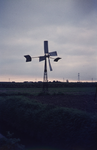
47	55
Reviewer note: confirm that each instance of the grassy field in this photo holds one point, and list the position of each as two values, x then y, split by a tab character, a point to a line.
60	126
36	91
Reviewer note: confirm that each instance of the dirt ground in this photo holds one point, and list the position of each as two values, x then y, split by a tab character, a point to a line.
81	102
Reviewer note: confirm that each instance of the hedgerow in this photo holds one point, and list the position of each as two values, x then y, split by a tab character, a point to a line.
54	125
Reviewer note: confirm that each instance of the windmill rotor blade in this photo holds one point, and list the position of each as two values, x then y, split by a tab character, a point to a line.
45	47
53	53
41	58
28	58
49	64
56	59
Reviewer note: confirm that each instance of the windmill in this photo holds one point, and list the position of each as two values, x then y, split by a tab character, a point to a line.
47	55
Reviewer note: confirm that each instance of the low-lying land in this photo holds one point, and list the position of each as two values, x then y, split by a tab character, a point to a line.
61	119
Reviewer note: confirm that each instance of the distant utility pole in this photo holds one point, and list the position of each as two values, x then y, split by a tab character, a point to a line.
78	77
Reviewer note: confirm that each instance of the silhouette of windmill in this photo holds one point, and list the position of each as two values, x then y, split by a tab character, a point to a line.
48	55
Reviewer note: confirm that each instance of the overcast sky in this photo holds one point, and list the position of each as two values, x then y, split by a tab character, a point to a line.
69	26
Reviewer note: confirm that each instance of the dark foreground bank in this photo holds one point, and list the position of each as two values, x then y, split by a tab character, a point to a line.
47	125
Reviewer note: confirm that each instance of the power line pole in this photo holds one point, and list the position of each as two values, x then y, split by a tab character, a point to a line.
78	77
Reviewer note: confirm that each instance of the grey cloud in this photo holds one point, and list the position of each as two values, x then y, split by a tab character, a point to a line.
24	14
69	26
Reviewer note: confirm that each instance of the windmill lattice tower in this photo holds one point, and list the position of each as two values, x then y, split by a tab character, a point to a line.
48	55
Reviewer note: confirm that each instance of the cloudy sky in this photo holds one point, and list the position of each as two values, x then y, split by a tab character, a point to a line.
69	26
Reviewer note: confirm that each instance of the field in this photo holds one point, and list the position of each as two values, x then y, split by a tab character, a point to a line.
65	114
81	98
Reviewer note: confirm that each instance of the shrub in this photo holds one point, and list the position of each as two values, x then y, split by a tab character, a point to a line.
10	143
56	125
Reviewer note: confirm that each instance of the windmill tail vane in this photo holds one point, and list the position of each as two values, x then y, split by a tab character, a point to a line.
48	55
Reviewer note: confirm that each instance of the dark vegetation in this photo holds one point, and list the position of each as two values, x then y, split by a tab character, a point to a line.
40	84
26	109
9	143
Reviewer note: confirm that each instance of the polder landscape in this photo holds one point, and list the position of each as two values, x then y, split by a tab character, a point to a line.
63	118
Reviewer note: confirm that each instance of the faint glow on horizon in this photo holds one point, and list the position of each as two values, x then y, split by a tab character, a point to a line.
36	79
